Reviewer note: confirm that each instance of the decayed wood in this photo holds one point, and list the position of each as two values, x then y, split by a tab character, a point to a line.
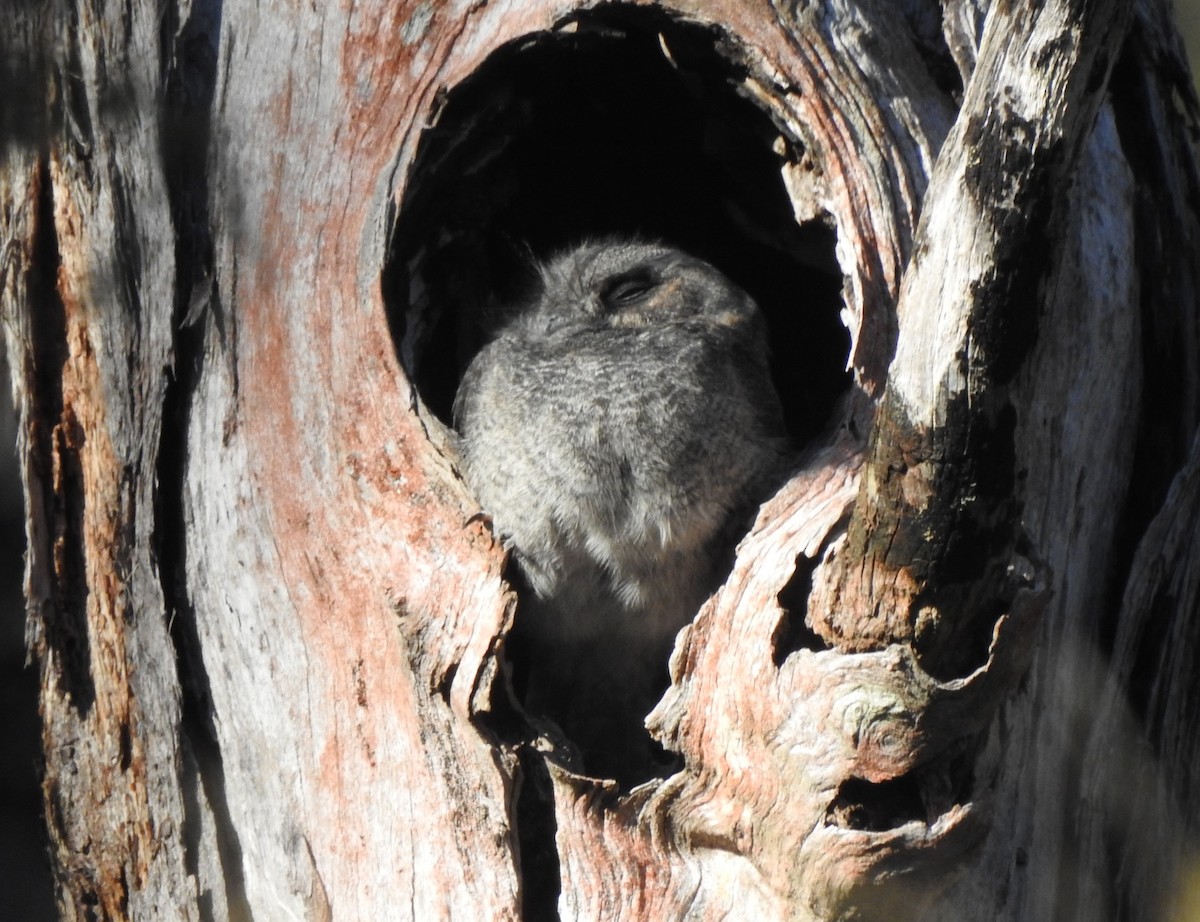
938	509
85	213
1083	394
337	740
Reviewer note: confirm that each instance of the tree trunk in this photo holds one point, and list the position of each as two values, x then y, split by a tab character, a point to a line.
248	251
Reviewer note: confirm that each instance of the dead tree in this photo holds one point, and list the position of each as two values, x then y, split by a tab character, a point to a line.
249	247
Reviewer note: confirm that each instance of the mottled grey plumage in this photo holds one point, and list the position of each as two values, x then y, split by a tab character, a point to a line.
619	430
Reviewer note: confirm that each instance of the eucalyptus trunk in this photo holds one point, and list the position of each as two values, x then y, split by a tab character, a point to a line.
248	249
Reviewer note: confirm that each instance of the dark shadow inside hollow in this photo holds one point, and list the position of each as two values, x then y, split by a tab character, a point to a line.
622	121
594	131
924	794
793	632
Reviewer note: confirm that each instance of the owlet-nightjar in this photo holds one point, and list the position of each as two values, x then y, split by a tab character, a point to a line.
620	430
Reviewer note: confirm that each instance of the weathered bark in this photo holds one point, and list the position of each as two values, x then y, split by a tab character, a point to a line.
248	247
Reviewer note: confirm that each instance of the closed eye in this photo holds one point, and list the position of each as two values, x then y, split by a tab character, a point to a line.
628	289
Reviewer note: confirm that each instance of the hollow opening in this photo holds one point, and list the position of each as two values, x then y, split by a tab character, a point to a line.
620	122
923	795
876	806
793	632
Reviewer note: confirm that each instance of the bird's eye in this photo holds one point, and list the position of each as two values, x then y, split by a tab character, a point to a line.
628	289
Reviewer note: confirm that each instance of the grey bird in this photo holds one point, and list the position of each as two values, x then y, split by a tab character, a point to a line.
620	430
